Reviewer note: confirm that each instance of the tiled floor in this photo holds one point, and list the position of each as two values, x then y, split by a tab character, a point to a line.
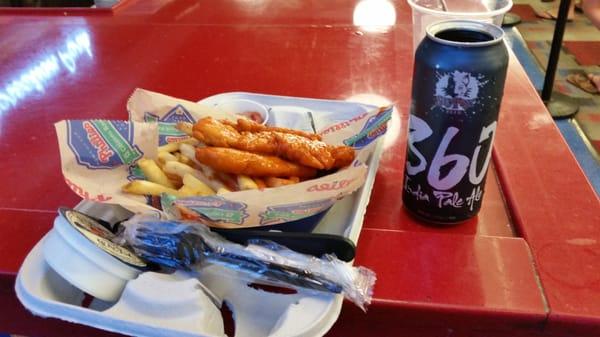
530	41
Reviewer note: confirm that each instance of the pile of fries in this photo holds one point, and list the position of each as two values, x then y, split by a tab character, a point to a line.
178	172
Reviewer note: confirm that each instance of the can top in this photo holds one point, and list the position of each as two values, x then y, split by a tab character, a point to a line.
465	33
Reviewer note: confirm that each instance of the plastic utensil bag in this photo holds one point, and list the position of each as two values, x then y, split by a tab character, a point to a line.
190	245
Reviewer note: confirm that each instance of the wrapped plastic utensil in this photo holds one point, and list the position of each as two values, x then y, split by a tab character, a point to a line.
188	245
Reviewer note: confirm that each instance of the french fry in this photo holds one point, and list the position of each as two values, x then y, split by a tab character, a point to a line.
260	183
211	181
223	190
186	160
277	182
190	152
143	187
246	183
179	169
196	185
192	141
185	128
164	157
229	180
176	183
176	180
170	147
186	191
153	173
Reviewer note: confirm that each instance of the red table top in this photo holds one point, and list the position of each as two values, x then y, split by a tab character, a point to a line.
528	265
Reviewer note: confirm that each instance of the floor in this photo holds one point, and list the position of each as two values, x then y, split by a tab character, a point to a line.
530	40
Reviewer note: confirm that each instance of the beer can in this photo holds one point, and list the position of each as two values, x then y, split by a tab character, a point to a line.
458	83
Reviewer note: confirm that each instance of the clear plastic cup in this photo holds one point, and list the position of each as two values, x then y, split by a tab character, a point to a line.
426	12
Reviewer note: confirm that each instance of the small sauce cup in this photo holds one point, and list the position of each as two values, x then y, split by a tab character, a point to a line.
244	107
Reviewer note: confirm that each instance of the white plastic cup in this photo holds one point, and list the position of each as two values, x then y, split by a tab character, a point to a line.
426	12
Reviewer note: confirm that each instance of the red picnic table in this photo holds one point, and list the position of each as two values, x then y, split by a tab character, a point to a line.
528	265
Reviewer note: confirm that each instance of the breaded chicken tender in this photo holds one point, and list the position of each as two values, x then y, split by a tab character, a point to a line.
288	144
251	164
251	126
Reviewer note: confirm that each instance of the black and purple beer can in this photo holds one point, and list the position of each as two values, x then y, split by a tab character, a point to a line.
458	83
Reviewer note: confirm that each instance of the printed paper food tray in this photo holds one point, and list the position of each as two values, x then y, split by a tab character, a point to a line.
101	160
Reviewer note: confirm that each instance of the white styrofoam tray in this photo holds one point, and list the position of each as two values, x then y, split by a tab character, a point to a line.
167	305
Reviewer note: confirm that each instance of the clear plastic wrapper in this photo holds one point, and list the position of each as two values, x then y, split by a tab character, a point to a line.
188	245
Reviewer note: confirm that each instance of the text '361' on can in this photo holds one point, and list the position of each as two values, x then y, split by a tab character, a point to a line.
458	82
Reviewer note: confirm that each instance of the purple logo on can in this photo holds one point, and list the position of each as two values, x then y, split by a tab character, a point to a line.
215	208
374	127
291	212
167	132
457	91
100	144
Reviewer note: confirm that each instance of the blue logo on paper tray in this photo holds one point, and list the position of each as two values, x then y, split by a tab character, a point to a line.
167	132
291	212
216	208
374	127
102	144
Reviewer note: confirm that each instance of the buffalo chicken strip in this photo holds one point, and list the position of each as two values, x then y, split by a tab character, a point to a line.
251	164
291	146
251	126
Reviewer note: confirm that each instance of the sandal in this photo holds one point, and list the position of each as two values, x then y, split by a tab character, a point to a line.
582	82
551	14
595	78
542	13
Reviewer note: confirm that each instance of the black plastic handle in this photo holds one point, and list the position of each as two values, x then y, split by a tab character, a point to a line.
306	243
